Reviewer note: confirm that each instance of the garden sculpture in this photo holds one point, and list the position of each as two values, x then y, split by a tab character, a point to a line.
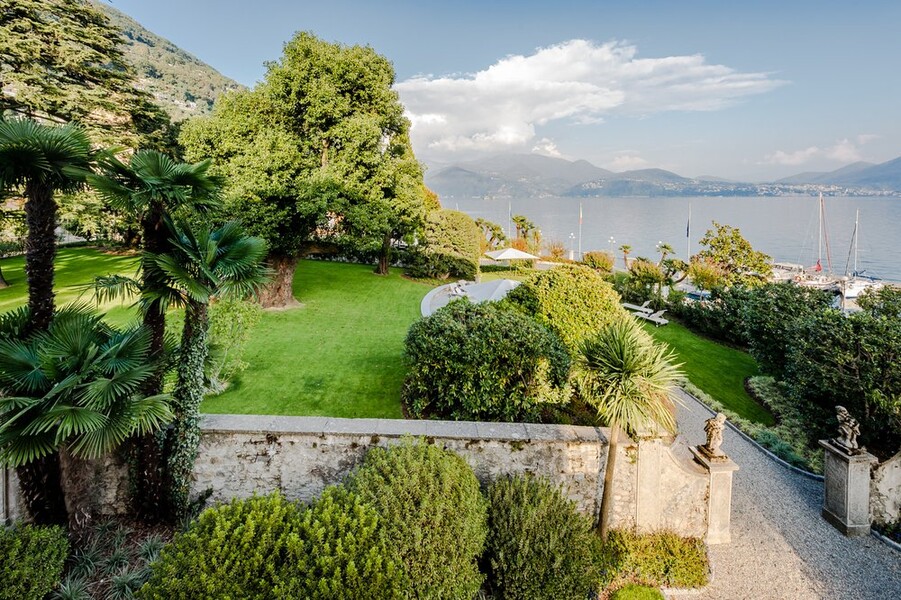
713	427
848	430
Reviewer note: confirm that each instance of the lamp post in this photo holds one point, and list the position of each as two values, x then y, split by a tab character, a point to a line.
612	242
572	249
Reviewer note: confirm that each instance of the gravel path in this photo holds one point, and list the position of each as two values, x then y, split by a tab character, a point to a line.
781	546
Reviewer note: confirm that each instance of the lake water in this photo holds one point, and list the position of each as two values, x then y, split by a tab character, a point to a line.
783	227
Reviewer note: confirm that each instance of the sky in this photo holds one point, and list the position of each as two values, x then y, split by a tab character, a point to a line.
751	91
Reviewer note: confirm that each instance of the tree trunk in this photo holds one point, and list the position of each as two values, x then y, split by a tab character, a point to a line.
3	282
607	496
40	481
384	256
279	293
189	388
147	452
40	249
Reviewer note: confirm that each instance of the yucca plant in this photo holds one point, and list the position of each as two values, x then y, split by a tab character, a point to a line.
75	386
630	380
202	265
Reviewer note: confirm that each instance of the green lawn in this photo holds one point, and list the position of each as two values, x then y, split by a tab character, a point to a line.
339	355
717	369
74	267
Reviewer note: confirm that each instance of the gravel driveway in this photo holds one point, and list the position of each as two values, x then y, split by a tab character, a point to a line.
781	546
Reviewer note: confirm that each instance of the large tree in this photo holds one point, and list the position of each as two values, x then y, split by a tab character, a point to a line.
630	379
61	60
40	161
727	249
318	149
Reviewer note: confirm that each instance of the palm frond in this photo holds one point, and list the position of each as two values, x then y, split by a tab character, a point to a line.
17	450
112	288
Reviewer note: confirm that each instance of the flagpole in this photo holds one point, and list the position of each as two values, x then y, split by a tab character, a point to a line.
688	236
580	231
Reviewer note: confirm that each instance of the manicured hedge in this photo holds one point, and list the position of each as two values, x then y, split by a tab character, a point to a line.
572	300
539	547
31	560
450	247
482	362
433	514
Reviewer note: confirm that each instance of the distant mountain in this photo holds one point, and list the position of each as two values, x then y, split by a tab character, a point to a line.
532	175
827	176
885	176
182	84
510	175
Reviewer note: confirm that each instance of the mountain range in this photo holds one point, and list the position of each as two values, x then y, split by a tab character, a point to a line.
533	175
182	84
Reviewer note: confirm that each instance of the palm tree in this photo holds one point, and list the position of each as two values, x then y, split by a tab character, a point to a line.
202	264
151	187
665	250
630	380
75	386
625	249
44	160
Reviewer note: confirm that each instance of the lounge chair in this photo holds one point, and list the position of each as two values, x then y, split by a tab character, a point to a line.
642	309
655	318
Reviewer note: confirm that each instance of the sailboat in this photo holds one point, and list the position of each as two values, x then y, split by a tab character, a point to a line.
814	276
855	282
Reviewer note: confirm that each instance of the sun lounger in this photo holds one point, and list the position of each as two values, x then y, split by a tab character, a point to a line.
642	309
655	318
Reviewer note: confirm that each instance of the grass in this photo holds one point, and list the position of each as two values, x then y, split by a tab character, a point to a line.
74	267
636	592
717	369
339	355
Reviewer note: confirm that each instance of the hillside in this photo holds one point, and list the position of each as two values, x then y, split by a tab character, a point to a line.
183	85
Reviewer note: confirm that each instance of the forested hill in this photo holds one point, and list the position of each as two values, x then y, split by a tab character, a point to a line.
182	84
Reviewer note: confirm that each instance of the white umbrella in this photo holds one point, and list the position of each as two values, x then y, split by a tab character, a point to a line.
510	254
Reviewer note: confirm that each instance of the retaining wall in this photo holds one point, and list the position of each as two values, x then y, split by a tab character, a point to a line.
885	491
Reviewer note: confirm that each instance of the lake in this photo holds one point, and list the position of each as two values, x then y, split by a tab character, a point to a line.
783	227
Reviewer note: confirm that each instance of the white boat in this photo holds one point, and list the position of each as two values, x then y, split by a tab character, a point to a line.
856	282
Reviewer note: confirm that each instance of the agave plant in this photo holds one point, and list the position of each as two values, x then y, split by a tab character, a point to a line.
75	386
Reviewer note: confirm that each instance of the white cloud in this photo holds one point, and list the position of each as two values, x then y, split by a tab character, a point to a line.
578	81
546	147
626	161
843	151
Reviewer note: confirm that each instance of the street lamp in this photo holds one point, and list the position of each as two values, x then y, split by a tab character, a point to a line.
572	248
612	242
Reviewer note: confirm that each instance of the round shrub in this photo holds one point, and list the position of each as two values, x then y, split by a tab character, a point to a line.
237	550
341	553
482	362
451	246
433	515
539	546
31	561
572	300
599	261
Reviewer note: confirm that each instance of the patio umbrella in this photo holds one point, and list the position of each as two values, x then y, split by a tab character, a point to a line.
510	254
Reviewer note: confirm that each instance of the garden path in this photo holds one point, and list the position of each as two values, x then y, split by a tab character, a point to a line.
781	546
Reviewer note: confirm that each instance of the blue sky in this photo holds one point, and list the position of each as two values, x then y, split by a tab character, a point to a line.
750	90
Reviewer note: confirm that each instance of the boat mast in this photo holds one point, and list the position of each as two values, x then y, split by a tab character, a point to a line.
853	247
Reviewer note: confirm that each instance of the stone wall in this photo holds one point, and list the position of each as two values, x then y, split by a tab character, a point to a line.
657	485
885	491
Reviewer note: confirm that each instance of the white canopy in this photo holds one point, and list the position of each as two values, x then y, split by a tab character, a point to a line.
510	254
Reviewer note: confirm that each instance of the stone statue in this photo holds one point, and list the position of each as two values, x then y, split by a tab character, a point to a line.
713	427
848	430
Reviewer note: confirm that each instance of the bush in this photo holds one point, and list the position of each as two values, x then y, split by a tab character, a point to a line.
430	507
450	247
599	261
236	550
31	561
572	300
538	545
657	559
482	362
341	553
637	592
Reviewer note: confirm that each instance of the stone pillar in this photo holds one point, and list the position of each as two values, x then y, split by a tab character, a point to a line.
847	488
719	495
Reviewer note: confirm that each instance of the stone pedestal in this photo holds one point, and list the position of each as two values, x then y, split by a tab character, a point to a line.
847	486
719	498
